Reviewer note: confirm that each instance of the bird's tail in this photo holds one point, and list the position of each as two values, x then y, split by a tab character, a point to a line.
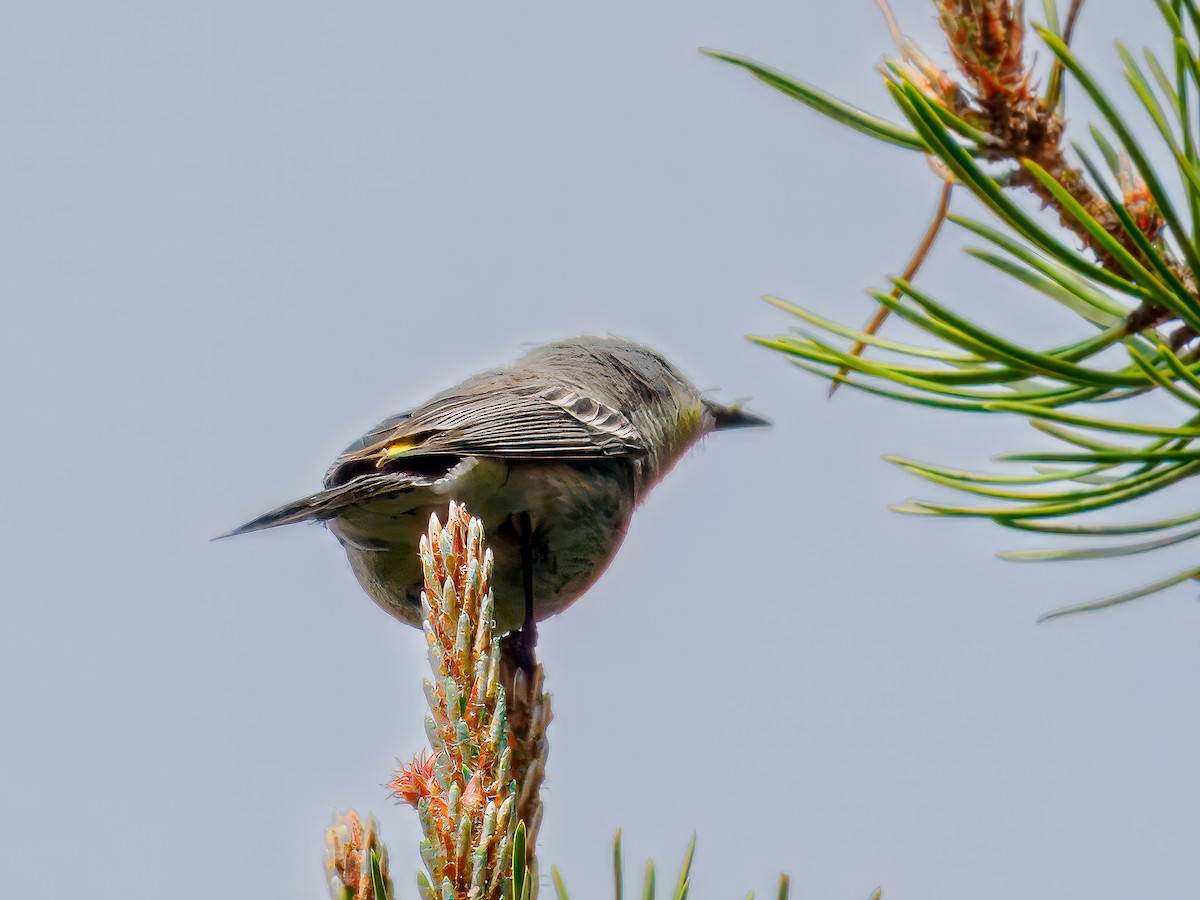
305	510
323	505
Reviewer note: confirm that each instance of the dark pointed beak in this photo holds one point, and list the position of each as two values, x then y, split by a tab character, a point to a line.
733	417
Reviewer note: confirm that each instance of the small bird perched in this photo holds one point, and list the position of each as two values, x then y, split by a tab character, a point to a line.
552	453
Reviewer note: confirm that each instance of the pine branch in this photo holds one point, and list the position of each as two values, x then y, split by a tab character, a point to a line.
982	120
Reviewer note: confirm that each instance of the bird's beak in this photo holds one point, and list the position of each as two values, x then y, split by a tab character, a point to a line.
733	416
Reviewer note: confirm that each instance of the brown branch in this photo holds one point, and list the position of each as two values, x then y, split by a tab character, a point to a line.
910	271
1036	135
995	94
986	38
1072	18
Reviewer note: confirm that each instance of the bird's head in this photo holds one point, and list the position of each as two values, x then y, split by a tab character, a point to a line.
667	409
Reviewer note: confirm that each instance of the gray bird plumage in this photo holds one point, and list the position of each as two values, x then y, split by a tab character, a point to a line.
553	453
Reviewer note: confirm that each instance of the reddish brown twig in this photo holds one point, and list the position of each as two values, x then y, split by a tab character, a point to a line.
910	271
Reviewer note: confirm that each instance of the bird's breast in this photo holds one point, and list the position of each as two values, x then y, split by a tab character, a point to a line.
579	511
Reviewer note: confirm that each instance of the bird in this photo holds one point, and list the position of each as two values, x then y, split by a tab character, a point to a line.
553	453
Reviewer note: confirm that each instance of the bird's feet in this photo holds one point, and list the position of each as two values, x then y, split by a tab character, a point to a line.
520	646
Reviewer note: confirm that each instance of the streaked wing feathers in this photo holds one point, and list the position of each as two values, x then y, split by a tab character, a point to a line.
551	422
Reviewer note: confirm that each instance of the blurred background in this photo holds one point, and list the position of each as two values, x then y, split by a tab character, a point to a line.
238	234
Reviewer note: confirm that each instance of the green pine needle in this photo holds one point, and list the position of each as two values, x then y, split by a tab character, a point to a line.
966	367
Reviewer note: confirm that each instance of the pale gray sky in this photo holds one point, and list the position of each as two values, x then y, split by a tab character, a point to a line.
237	234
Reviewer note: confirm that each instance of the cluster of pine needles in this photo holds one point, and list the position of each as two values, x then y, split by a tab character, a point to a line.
1115	243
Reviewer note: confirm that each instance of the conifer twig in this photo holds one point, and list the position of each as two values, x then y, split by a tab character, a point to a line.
910	271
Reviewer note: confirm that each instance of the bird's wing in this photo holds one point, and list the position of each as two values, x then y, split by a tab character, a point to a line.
524	422
417	448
